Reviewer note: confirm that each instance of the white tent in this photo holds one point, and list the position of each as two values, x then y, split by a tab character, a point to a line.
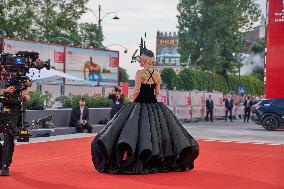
44	74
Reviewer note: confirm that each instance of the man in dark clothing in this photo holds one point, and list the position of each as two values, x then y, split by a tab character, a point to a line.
229	104
209	108
248	104
10	116
80	117
117	101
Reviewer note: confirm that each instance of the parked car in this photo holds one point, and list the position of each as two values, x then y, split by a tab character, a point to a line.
269	113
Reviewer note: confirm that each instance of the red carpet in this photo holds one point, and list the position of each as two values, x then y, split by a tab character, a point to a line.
67	165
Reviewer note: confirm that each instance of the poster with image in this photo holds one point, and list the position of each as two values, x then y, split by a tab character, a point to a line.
95	67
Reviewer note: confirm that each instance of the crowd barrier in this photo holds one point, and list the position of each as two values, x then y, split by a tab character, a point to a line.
197	112
179	98
219	111
183	112
184	104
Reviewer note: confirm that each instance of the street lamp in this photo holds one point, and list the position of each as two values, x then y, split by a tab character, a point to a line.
125	49
64	38
100	18
239	58
188	60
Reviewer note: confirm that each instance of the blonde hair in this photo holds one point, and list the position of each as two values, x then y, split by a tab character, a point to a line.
149	60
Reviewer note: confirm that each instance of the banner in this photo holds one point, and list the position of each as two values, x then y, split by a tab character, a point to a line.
179	98
197	98
124	89
96	67
183	112
217	98
219	111
274	67
164	99
83	90
197	112
54	53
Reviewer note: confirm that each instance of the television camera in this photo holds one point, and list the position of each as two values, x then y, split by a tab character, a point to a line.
13	69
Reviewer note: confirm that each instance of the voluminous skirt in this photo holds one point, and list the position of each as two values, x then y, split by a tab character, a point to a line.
155	141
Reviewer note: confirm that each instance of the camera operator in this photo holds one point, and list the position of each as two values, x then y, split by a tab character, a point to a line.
10	118
117	101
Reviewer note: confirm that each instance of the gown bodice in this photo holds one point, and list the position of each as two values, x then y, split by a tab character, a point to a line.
147	91
146	94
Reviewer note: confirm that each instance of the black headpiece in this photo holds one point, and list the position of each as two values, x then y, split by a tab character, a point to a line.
143	50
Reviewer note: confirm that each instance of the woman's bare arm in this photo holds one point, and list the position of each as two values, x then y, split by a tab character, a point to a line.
158	85
137	85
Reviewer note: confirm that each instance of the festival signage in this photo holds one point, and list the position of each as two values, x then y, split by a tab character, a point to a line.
274	66
94	66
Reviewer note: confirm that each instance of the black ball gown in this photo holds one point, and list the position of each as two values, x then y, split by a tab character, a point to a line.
151	134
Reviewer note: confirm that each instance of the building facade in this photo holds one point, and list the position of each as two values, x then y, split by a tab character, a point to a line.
167	55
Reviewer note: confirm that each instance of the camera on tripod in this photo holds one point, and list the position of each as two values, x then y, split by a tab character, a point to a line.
17	66
14	69
23	59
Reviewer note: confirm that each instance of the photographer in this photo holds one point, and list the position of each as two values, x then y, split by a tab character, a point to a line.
10	118
117	101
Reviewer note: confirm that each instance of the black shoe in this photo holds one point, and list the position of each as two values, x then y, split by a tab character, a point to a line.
5	171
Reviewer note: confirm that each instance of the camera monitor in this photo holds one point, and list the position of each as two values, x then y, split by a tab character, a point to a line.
19	60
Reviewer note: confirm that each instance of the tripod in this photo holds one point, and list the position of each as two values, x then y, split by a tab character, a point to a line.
23	133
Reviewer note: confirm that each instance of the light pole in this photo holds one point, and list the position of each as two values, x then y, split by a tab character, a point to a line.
239	58
125	49
189	60
100	19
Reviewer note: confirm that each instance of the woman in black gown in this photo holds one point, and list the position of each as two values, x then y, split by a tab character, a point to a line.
144	136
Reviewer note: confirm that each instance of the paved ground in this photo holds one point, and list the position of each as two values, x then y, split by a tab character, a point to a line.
218	130
234	131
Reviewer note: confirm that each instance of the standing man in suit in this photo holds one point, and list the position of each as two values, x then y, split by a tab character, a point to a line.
248	104
229	104
209	108
80	117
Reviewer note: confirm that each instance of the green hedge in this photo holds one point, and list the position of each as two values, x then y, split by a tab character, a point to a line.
44	100
91	102
204	81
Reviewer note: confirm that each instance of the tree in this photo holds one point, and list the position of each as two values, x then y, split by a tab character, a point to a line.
91	35
257	49
123	76
17	17
46	20
211	31
169	76
258	46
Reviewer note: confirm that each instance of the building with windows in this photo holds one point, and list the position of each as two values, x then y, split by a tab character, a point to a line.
167	55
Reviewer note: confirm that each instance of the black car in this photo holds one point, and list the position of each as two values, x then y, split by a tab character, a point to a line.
269	113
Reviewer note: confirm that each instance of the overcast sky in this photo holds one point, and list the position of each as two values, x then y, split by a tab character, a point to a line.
136	18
